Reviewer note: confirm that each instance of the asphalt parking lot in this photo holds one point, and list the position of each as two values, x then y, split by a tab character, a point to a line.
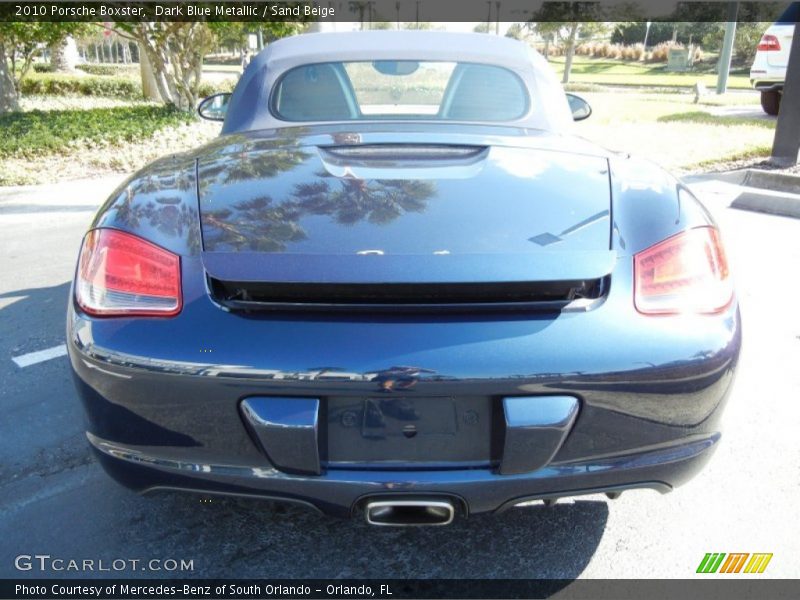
54	499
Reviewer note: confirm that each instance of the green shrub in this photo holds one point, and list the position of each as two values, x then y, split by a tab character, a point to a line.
53	84
107	70
34	133
207	88
42	67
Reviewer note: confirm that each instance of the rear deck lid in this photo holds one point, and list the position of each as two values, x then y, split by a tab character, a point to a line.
396	213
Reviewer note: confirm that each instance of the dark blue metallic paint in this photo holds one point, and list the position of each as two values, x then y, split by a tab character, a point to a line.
287	429
511	201
163	395
535	429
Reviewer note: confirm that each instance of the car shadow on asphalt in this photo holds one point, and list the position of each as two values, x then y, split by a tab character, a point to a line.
30	319
43	433
266	539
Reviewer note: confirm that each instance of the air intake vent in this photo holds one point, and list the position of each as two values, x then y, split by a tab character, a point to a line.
425	297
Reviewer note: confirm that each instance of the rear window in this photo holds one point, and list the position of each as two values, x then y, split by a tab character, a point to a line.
450	91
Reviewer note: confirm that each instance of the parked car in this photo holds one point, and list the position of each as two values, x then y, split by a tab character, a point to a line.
768	72
398	284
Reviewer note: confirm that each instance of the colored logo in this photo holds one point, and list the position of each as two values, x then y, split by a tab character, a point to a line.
737	562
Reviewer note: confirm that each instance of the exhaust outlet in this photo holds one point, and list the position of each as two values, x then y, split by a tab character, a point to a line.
409	512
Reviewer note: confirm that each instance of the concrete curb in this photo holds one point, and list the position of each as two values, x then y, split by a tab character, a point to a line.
761	190
774	203
770	180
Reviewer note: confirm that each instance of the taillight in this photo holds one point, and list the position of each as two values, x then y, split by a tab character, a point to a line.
685	273
768	43
122	274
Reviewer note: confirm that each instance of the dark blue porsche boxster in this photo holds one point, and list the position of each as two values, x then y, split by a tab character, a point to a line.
398	285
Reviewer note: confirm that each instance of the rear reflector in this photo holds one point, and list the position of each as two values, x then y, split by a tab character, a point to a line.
122	274
769	43
685	273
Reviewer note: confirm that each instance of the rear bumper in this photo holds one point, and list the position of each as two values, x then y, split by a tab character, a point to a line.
763	85
163	396
344	493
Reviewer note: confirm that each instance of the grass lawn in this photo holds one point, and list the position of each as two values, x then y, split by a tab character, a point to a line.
673	131
618	72
705	118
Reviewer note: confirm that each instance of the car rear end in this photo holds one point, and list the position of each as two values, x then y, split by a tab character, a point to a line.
768	72
469	326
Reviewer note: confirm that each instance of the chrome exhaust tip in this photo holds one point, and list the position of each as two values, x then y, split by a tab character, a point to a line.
409	512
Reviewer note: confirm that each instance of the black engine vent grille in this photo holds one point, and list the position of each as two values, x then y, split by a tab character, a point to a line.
424	297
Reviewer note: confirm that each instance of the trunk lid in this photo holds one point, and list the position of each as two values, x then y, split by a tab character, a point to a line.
400	213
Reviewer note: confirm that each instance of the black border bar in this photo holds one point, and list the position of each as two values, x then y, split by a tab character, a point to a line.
391	10
705	587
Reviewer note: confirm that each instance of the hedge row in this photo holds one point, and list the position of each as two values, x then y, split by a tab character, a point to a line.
52	84
106	70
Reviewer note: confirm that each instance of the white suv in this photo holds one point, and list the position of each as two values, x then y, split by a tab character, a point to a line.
769	67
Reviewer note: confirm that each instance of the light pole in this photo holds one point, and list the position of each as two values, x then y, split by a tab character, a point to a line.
646	34
724	65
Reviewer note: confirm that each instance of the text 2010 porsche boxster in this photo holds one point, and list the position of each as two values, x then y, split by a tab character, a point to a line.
396	284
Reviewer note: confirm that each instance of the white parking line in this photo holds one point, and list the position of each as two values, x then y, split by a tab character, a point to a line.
26	360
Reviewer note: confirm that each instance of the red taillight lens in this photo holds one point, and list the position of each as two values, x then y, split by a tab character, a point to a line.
685	273
768	43
121	274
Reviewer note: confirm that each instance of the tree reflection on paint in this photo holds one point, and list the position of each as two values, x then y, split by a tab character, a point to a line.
158	200
246	165
350	200
264	225
258	225
162	198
